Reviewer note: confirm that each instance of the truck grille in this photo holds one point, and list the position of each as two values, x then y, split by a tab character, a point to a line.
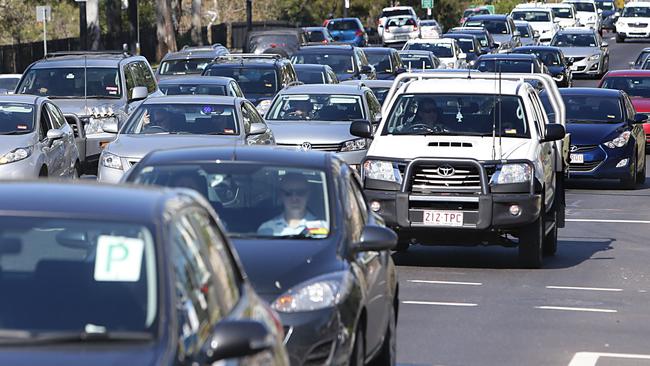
637	25
443	177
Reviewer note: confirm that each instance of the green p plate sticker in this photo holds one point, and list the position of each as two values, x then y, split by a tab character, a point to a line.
118	259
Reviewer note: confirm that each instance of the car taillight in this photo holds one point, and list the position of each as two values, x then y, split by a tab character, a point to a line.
359	33
415	27
324	41
326	22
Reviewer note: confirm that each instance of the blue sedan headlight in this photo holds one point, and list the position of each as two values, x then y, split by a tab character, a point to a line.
620	141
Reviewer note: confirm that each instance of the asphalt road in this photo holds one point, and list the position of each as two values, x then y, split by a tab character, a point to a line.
587	306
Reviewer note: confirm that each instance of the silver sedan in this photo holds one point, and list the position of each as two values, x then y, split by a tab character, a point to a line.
35	139
585	49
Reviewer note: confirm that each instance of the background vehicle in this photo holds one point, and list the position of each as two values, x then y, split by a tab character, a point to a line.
35	140
585	49
430	28
315	74
511	63
555	62
586	12
379	87
608	14
419	60
353	320
393	12
8	82
318	35
501	27
487	42
386	61
468	13
177	290
541	19
283	42
97	87
565	14
634	21
447	50
469	44
638	63
528	36
201	85
348	62
400	29
347	30
178	121
188	61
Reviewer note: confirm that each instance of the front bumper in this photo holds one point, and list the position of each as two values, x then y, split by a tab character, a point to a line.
586	67
601	162
629	32
22	169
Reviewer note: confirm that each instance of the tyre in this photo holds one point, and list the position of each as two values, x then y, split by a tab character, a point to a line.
640	176
388	354
531	238
77	171
358	356
629	182
549	246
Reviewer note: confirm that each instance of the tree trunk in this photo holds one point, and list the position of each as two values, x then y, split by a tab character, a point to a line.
114	21
92	19
197	39
164	29
133	24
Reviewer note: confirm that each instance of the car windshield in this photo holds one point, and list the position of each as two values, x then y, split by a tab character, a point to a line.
439	49
317	36
457	114
531	15
192	89
492	26
188	118
395	12
380	93
9	84
76	277
642	57
264	42
605	5
549	58
255	200
466	44
311	76
184	67
343	25
590	109
634	86
636	12
251	80
524	31
103	83
16	119
564	13
580	6
381	62
519	66
319	107
574	40
341	63
413	61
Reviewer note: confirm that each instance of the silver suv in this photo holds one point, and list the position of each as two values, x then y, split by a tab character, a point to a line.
98	88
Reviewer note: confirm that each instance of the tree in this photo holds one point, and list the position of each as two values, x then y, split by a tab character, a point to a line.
196	23
164	29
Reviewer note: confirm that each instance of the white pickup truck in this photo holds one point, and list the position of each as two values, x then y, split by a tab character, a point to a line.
469	158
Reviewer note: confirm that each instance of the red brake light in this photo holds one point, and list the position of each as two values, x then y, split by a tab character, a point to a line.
326	22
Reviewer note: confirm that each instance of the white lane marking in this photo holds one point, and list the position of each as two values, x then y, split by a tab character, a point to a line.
465	304
591	358
446	282
585	288
591	310
611	221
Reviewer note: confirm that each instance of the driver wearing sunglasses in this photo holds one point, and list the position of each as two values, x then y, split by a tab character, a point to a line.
295	219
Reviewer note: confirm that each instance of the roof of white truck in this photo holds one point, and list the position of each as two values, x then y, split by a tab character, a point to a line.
464	86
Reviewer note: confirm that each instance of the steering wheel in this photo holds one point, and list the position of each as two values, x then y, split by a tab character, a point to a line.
154	129
416	127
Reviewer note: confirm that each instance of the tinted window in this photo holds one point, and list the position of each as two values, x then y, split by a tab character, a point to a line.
381	62
311	76
438	49
16	118
641	58
574	40
9	83
605	5
343	25
636	12
531	16
400	22
549	58
521	66
565	13
396	12
414	61
588	7
144	77
56	118
492	26
253	81
192	89
205	119
341	63
184	67
69	82
319	107
380	93
633	86
590	109
264	42
316	36
524	30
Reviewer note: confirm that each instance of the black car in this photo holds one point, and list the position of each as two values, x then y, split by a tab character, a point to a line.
386	61
419	60
511	62
307	239
470	45
200	85
189	60
259	76
131	276
318	35
558	66
282	41
608	14
347	61
315	74
484	37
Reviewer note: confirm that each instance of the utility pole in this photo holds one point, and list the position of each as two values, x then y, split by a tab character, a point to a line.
83	26
249	15
345	8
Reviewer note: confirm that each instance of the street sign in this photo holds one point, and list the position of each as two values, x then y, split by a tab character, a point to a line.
427	4
43	13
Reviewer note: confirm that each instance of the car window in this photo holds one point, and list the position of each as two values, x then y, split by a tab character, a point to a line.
592	109
574	40
130	80
505	65
492	26
16	118
312	76
440	49
417	61
560	12
237	90
381	62
355	219
184	66
633	86
343	25
46	124
185	118
145	76
252	80
70	82
56	118
531	15
192	89
341	63
253	114
317	107
373	105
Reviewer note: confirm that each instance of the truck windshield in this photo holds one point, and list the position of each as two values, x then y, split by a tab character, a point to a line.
457	114
69	82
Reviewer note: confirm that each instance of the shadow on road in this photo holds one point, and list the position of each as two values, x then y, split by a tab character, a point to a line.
605	184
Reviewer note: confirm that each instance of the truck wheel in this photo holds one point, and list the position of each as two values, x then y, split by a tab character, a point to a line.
549	246
531	238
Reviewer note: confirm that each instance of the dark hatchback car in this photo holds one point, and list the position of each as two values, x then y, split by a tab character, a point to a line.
470	45
348	62
132	276
558	66
607	138
188	61
511	62
484	37
283	42
415	60
200	85
315	74
310	244
386	61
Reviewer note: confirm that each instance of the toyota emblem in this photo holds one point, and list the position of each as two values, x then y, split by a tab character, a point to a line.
306	146
574	148
446	171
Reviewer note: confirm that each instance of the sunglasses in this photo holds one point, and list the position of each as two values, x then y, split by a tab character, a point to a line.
294	192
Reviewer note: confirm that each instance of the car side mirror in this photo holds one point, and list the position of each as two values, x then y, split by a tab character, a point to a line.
617	14
640	118
361	129
400	70
569	62
110	125
139	93
497	44
556	20
376	239
53	135
257	129
462	56
554	132
535	34
600	11
236	338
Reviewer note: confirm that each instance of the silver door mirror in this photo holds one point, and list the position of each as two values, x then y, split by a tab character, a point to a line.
139	93
110	125
53	135
257	129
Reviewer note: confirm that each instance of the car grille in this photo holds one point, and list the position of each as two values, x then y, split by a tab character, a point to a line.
318	147
586	167
637	25
582	148
436	177
320	354
576	59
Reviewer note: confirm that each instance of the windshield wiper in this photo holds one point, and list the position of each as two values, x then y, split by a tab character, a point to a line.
14	132
21	337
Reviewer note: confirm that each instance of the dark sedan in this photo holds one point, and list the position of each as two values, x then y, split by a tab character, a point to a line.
470	45
315	74
386	61
510	63
200	85
133	276
607	139
558	66
312	247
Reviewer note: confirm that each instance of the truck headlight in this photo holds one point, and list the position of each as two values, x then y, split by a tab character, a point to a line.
320	293
619	141
99	116
594	57
382	170
111	161
512	173
355	145
16	155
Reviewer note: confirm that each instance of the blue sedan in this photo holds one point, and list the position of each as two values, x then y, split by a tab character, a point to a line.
607	138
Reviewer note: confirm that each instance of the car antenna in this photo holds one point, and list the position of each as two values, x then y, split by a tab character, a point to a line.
494	122
500	117
86	84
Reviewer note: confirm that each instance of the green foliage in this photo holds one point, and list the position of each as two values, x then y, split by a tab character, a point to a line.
18	20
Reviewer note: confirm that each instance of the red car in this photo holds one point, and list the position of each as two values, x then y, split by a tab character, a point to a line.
636	83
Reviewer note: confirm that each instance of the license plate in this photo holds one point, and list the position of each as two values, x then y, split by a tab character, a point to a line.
443	218
577	159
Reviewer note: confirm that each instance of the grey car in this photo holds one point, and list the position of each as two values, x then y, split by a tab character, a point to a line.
182	121
189	61
379	87
318	117
585	49
501	27
529	36
98	87
35	139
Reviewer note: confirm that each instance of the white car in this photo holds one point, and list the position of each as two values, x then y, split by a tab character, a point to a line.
540	18
400	29
634	21
446	49
565	13
452	164
8	82
430	29
587	13
393	11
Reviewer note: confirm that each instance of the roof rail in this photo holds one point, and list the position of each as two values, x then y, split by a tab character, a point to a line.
242	56
86	53
294	83
201	48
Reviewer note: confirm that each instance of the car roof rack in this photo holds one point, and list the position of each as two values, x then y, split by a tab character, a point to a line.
124	54
202	48
251	56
